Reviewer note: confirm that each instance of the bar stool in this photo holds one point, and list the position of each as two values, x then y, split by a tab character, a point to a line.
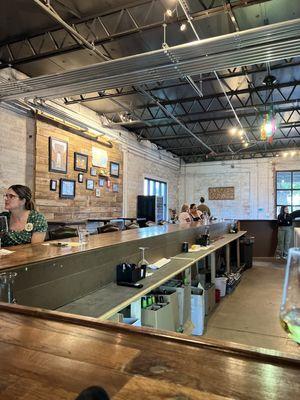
107	228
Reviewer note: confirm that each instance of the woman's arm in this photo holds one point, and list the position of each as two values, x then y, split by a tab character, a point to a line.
38	237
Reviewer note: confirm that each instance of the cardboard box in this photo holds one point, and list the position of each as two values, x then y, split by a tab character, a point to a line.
161	318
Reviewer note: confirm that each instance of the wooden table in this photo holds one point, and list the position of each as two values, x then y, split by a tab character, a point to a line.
48	357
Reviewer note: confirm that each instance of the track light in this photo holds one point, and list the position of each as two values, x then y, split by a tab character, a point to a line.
269	80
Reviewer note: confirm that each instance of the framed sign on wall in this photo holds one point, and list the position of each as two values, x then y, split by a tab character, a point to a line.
58	155
66	188
81	162
221	193
114	169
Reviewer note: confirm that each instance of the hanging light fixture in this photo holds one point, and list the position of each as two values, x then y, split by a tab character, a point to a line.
268	127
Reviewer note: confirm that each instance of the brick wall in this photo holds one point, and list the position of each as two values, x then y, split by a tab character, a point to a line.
17	144
253	180
85	204
148	165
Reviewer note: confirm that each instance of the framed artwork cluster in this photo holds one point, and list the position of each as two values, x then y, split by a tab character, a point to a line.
58	162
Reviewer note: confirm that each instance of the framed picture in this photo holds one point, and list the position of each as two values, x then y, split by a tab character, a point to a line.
115	187
93	171
53	185
114	169
66	188
80	177
90	184
98	192
99	157
58	155
101	182
81	162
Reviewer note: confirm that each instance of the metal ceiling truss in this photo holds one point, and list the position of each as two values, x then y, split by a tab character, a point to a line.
101	29
242	98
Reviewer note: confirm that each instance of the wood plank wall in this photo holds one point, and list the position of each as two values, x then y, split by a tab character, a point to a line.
86	204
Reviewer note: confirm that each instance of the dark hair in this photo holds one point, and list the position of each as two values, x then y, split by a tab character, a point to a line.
202	199
24	193
282	210
93	393
192	205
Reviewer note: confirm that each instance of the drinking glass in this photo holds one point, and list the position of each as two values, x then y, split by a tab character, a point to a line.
290	305
3	226
143	261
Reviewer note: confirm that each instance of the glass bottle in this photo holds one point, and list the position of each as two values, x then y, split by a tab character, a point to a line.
290	305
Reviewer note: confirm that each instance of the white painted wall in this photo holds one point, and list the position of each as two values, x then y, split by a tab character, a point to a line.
253	180
17	150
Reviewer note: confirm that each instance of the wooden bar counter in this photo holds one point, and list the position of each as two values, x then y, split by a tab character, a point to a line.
45	356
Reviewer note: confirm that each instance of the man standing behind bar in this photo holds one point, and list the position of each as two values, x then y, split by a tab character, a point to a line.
203	207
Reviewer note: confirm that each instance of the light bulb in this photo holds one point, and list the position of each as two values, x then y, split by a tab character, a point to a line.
233	131
246	144
169	13
183	27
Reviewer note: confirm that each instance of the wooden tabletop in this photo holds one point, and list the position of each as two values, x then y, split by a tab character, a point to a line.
46	358
31	253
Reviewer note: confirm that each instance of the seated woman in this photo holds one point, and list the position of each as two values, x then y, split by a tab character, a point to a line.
25	225
184	215
195	214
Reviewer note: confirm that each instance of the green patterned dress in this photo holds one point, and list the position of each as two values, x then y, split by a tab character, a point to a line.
36	222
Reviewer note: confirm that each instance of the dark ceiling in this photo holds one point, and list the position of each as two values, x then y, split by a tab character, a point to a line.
198	127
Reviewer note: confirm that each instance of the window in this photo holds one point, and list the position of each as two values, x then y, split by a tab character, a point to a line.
157	188
287	190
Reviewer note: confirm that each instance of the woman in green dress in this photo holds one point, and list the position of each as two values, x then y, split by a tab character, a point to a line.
25	224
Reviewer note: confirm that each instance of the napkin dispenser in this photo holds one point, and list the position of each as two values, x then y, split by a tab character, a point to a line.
130	272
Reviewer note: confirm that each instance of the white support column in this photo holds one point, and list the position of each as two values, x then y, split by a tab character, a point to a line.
228	269
213	267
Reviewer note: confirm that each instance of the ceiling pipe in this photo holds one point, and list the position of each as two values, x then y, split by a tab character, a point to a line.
185	9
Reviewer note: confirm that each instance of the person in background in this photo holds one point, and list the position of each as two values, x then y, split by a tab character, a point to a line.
184	215
285	232
203	207
25	225
195	214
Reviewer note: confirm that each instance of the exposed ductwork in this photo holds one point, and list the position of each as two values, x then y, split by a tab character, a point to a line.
259	45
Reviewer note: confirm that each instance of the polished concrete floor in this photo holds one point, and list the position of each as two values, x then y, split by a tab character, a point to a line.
249	315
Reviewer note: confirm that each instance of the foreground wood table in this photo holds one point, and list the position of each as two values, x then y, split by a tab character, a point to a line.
44	356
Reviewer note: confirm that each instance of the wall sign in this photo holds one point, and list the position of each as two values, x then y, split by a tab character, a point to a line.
58	155
66	188
99	157
81	162
221	193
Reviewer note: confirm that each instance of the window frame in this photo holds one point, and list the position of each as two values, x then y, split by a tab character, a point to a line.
165	198
292	171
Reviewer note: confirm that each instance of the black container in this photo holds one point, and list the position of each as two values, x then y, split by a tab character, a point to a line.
185	247
130	272
246	251
203	240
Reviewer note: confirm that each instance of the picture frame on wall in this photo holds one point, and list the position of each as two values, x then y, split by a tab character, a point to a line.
80	177
90	184
98	192
53	185
93	171
58	155
114	169
115	187
99	157
81	162
67	188
101	182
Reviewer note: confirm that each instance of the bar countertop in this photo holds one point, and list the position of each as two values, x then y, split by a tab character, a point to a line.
44	356
32	253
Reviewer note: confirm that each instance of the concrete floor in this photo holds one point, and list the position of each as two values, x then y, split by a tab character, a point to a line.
250	315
